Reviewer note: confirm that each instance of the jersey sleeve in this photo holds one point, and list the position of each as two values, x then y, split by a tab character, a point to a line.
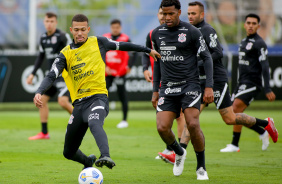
40	58
145	56
57	68
205	55
262	53
157	68
213	44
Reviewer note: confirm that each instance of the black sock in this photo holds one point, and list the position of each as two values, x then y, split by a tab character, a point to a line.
261	122
169	148
82	158
236	138
179	139
257	129
183	145
44	127
176	148
200	159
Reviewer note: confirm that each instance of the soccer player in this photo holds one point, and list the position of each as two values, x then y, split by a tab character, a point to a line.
253	64
83	66
179	43
51	43
118	64
146	62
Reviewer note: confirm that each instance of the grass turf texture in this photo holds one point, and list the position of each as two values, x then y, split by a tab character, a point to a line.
134	150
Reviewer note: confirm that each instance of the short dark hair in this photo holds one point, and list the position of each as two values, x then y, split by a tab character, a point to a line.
197	3
253	16
167	3
115	21
50	15
79	18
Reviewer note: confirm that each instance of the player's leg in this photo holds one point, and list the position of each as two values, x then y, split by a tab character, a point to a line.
63	99
44	113
76	130
95	114
180	125
122	94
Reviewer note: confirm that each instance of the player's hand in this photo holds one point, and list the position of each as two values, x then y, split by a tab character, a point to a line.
270	96
147	76
108	71
154	54
37	100
155	98
208	95
29	79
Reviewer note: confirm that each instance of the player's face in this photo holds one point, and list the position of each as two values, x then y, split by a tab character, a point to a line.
251	25
50	24
161	16
115	29
79	31
195	15
171	16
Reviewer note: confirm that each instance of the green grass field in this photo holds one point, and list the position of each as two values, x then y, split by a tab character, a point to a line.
134	150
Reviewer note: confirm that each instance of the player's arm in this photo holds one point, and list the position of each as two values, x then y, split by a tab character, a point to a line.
146	60
132	59
57	68
208	65
38	62
157	79
265	72
213	44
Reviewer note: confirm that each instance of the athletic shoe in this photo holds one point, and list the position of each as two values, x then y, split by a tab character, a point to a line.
202	174
168	158
40	136
230	148
93	159
122	124
179	163
272	130
265	140
107	161
166	151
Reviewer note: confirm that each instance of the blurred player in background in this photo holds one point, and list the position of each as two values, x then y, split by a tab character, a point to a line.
118	65
83	66
146	62
253	64
51	43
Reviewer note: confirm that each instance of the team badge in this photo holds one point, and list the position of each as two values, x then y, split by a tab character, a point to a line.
54	39
249	45
161	101
71	119
182	37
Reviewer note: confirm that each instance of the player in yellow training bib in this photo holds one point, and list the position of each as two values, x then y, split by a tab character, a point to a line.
82	65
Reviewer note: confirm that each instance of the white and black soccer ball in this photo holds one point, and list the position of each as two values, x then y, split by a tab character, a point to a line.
90	175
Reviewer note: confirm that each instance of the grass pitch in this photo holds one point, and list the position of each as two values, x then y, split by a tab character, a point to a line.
134	150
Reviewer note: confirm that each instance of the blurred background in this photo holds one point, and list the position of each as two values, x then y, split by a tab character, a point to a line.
21	24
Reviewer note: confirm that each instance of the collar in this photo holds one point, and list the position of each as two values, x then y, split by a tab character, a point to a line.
200	24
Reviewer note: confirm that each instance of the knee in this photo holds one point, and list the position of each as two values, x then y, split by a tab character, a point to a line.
161	128
63	102
192	126
229	120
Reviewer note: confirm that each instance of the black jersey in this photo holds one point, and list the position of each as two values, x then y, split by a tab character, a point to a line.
179	47
50	47
253	62
211	39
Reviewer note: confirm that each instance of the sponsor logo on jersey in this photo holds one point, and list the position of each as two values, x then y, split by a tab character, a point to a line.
78	58
71	119
172	58
168	48
244	62
163	43
161	101
172	90
78	66
193	93
48	41
202	45
161	37
182	37
54	39
80	91
213	42
85	74
162	29
93	116
249	45
183	29
169	84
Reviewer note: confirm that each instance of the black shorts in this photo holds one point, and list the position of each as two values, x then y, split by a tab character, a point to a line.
190	96
246	93
222	98
58	88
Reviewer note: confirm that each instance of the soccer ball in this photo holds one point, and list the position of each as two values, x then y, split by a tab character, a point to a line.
90	175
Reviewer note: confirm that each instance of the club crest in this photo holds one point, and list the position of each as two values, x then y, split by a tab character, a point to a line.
182	37
249	45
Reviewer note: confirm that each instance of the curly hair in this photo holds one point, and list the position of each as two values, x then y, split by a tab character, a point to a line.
167	3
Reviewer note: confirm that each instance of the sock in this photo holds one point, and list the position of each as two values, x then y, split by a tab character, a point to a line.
176	148
257	129
183	145
179	140
200	159
82	158
236	138
169	148
261	122
44	127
